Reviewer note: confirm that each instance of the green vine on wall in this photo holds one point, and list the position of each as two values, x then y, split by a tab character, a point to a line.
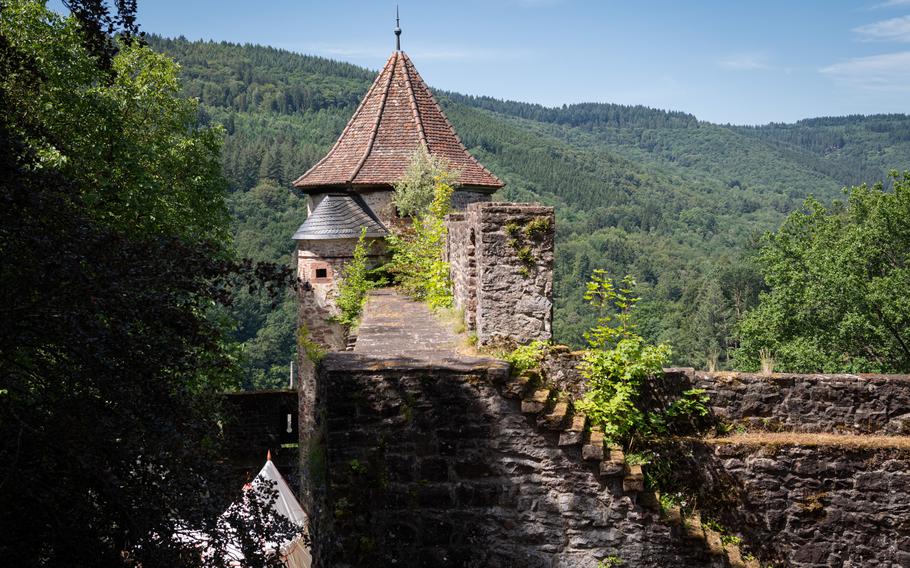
356	282
535	230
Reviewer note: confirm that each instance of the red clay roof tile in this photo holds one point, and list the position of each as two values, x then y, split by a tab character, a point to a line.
397	114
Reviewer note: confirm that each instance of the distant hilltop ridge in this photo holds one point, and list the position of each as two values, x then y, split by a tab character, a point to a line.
603	113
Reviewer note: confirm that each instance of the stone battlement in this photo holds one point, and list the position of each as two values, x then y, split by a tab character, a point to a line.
501	263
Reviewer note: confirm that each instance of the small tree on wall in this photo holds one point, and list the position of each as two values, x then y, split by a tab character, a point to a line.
416	190
617	365
356	283
417	263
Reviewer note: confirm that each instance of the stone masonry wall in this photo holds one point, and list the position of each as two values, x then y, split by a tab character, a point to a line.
316	296
812	506
462	198
508	296
857	404
861	404
460	252
433	466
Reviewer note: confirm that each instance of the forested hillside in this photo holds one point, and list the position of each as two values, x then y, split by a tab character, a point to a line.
677	202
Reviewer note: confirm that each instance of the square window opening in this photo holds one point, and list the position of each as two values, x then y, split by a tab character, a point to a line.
322	273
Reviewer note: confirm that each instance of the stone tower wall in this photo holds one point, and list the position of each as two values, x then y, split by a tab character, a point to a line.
318	290
501	261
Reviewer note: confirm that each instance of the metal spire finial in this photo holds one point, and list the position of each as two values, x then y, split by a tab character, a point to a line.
397	31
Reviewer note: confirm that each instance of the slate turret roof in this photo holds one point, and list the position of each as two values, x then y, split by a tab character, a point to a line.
340	216
396	116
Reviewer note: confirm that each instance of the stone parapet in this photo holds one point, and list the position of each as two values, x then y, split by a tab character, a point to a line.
835	403
858	404
501	261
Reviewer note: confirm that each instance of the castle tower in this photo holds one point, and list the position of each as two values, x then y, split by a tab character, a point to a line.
351	188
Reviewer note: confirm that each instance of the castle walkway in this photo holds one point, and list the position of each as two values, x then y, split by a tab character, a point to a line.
396	326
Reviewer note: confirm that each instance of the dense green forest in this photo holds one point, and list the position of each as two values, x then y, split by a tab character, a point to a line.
677	202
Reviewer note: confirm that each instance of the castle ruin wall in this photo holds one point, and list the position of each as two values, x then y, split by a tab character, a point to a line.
432	466
501	261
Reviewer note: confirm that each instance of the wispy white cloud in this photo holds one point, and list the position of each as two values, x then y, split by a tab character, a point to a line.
745	61
885	72
345	51
892	3
895	29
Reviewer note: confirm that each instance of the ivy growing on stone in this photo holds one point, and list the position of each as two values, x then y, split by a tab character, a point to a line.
535	230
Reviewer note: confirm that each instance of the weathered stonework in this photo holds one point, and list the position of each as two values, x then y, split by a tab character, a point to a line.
429	465
862	404
501	258
318	290
855	404
812	506
462	198
461	255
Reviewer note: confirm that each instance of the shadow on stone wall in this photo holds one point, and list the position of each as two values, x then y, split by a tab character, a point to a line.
802	505
431	466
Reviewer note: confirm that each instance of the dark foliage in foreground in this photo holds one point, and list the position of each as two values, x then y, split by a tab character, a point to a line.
111	359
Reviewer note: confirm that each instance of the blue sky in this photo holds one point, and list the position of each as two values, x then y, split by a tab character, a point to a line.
739	61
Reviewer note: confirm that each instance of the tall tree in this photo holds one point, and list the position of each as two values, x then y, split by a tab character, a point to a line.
839	279
110	363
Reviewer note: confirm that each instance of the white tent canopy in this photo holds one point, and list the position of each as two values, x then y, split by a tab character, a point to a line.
294	552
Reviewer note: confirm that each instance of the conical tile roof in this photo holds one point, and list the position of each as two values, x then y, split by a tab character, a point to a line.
396	116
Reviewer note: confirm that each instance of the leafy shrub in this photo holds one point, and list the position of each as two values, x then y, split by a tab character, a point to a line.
615	378
355	283
414	192
417	254
526	357
617	365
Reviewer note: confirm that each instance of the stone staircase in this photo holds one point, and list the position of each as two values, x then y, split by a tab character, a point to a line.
552	410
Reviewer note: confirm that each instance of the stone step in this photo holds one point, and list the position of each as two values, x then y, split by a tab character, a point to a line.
634	481
535	403
674	515
615	463
575	432
694	530
714	542
554	419
516	387
735	557
593	450
649	500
